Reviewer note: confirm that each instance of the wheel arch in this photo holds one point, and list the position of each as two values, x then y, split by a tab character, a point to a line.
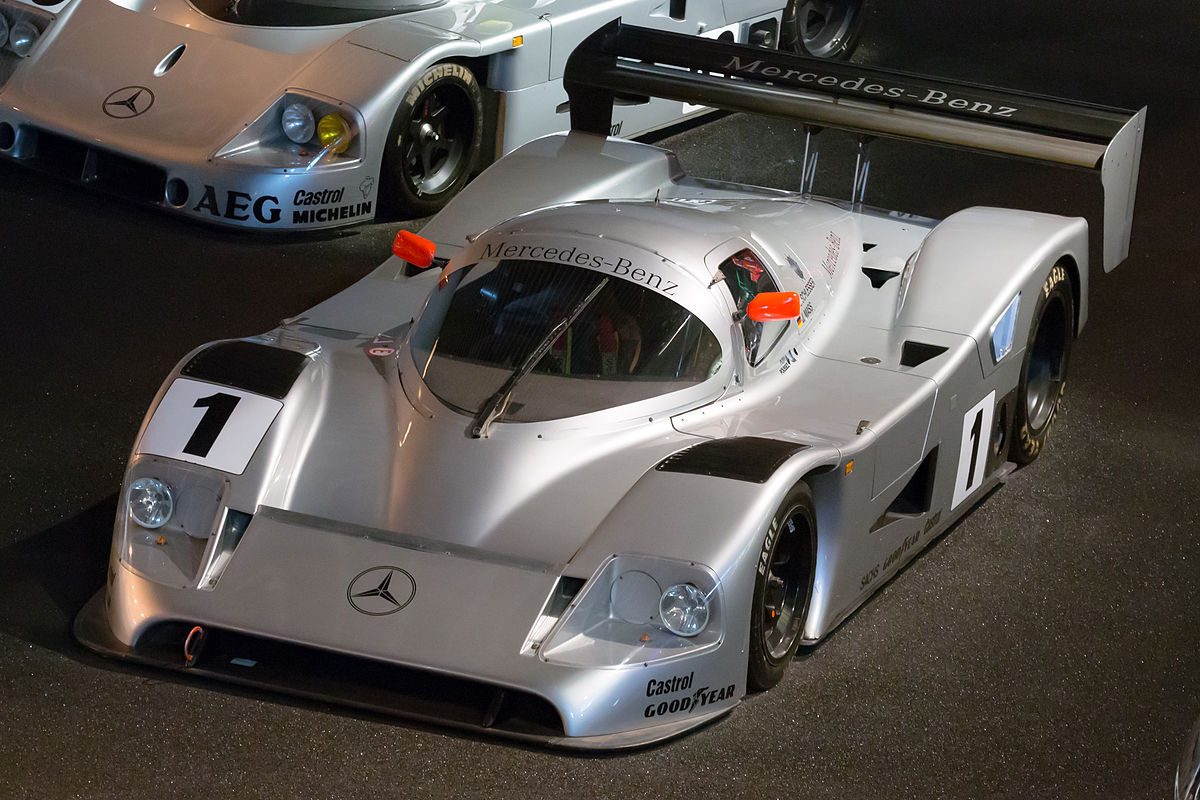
974	262
685	513
477	65
1069	263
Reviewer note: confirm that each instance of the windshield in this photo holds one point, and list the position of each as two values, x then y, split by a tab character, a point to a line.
306	13
625	342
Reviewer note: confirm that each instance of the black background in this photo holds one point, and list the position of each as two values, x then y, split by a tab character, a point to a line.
1047	647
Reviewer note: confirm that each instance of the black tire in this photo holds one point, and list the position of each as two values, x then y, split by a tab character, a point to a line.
1044	370
783	586
823	28
434	142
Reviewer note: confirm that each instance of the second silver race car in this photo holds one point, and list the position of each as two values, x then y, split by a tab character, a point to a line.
634	439
304	114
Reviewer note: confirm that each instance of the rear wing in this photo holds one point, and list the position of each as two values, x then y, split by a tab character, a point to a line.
630	63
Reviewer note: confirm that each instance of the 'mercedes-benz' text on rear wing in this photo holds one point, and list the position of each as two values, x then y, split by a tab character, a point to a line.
627	62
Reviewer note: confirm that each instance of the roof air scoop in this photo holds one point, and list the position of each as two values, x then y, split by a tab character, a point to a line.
169	60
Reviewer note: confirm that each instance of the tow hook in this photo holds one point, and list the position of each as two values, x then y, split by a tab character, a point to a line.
193	645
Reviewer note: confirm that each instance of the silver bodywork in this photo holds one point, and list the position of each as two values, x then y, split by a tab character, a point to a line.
363	468
183	141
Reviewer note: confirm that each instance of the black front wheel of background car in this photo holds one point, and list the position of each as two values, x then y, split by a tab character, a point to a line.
434	142
1044	370
782	589
823	28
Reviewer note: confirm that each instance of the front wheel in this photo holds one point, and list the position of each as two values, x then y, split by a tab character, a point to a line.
1044	370
823	28
782	588
435	140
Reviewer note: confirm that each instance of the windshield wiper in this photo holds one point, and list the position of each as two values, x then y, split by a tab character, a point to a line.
497	404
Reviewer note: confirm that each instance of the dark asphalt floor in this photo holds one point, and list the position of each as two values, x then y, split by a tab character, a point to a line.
1047	647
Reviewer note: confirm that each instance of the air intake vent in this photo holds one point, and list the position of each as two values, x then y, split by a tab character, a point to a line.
363	683
169	61
915	354
878	277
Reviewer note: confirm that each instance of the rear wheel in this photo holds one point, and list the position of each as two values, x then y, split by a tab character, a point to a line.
435	140
1044	370
823	28
782	589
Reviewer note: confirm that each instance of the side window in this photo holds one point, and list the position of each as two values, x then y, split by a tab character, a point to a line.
745	276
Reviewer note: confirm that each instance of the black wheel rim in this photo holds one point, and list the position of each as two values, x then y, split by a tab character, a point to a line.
438	138
786	596
823	26
1047	365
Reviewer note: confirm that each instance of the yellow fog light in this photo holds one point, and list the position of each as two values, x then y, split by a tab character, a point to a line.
334	133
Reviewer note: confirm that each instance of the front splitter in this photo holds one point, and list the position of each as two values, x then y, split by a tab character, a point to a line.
369	685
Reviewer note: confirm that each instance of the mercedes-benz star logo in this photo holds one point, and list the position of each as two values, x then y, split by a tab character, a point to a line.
128	102
380	591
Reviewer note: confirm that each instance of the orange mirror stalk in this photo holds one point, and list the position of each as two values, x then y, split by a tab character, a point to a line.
774	306
416	250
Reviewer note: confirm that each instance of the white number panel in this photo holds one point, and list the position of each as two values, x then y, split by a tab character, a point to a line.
973	451
203	423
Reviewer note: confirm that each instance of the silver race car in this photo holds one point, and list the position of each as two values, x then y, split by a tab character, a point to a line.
635	438
281	114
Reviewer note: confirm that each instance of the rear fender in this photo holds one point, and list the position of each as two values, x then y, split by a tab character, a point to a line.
972	265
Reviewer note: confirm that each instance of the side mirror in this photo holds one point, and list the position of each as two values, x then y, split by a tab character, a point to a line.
774	306
416	250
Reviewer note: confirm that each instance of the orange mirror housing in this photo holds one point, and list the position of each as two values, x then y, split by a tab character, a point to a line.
416	250
774	306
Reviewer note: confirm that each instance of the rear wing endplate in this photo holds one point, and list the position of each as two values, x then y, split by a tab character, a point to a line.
627	62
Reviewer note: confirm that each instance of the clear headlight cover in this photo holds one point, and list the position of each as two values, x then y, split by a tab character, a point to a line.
151	502
617	619
170	515
22	26
288	135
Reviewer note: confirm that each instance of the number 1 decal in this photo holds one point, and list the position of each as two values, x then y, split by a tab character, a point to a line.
214	426
973	450
976	429
219	409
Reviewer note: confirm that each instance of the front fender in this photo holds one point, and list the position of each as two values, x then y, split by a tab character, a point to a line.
716	521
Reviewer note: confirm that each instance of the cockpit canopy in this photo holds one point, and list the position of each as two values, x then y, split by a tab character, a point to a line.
589	341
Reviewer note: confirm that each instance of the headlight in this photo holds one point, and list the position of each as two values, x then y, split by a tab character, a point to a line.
623	617
23	37
298	123
151	502
334	132
683	610
3	30
299	131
